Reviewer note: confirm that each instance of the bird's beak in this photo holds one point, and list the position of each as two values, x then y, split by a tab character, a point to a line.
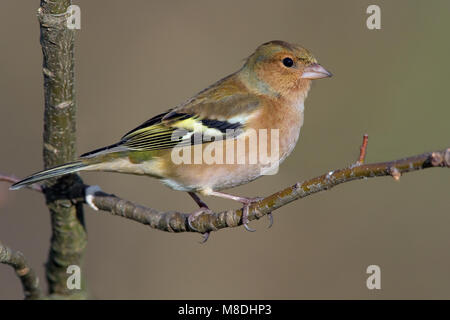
315	71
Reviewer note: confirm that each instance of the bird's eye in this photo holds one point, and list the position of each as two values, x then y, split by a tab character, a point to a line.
288	62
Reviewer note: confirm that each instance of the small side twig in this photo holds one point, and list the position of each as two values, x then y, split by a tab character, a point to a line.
363	150
30	281
13	179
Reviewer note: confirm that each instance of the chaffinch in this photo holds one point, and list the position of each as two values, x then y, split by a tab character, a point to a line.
197	146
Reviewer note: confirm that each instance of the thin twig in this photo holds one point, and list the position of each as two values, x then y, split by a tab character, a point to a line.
30	281
363	149
13	179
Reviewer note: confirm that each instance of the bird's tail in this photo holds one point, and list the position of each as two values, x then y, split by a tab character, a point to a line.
51	173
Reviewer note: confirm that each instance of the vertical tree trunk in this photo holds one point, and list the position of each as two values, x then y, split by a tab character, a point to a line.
68	240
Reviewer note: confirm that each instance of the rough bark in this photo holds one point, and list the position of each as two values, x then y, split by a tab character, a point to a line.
68	240
30	282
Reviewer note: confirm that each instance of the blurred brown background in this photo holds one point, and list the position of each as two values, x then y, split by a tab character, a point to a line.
137	58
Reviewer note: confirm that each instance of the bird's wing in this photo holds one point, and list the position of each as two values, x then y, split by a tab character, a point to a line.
212	112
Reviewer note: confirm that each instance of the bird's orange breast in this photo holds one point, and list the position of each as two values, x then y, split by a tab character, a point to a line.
228	163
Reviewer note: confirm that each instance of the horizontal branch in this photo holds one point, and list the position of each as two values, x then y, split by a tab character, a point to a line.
174	221
30	281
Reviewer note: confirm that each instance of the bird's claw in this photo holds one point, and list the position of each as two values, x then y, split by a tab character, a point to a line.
247	203
205	237
270	216
194	215
248	228
245	217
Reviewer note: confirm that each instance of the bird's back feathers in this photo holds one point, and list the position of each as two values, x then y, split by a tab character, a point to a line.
223	106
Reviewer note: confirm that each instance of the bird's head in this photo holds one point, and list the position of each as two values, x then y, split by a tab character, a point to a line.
282	69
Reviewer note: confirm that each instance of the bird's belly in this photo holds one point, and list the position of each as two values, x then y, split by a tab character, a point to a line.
212	177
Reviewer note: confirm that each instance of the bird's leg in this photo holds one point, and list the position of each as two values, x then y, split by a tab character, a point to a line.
203	208
245	209
197	200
